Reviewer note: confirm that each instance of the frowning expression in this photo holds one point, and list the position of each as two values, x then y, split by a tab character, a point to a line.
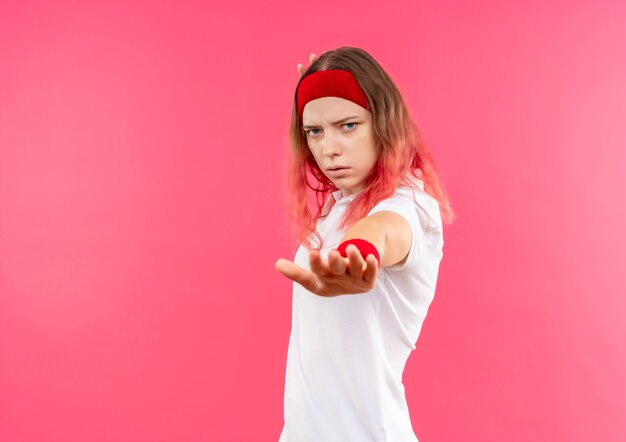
339	134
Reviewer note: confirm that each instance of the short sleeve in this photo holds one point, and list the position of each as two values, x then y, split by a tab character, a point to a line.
405	209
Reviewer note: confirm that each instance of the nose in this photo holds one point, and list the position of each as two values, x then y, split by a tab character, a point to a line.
331	146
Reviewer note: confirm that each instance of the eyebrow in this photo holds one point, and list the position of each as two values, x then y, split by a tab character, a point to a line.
335	122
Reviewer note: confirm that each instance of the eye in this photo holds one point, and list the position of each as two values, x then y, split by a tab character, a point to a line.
310	131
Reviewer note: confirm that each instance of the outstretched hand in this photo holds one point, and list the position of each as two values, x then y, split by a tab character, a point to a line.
335	276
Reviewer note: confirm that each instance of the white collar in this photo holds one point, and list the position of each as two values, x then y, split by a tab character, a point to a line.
338	194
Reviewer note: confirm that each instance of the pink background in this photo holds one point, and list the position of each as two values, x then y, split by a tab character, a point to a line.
141	214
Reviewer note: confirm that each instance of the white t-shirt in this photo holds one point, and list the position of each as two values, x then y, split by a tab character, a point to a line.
347	353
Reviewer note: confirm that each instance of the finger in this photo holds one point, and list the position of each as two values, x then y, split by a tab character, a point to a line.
312	58
336	263
318	266
300	70
371	271
357	263
287	268
296	273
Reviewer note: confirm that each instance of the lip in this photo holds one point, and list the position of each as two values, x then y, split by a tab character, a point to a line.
339	172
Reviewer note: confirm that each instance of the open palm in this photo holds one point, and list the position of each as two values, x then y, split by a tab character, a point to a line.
336	276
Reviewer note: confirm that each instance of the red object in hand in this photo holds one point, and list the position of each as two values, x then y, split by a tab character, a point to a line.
365	247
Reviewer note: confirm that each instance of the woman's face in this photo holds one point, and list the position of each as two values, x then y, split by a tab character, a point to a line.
339	133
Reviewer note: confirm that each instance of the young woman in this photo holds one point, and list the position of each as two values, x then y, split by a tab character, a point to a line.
361	293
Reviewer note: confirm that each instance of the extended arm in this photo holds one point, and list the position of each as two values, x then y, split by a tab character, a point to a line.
387	231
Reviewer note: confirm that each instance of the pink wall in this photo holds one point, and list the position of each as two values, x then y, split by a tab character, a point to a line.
140	215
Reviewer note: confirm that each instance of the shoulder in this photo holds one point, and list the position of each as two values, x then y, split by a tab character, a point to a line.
424	205
409	215
406	197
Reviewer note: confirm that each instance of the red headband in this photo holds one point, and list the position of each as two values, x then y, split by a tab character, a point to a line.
330	83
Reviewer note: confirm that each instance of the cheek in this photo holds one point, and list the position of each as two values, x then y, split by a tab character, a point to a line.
314	151
369	149
313	147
